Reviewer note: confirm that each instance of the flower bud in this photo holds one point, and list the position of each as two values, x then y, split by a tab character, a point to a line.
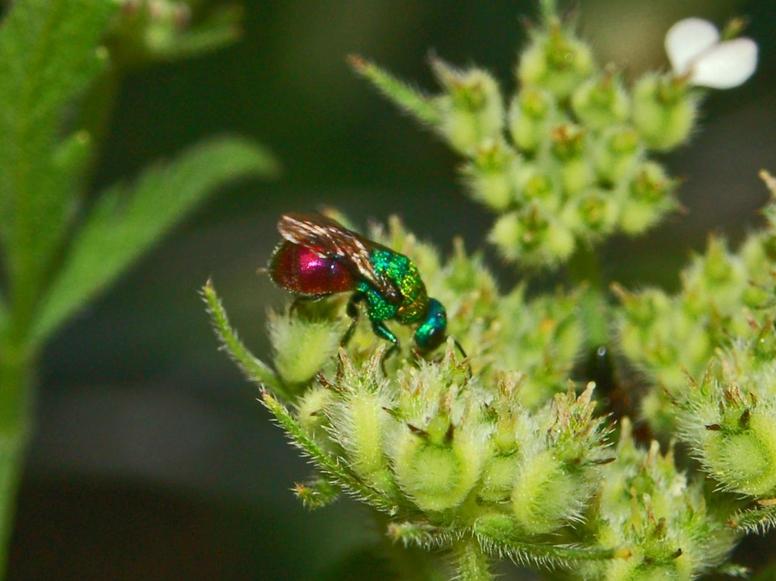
492	174
530	115
664	111
715	280
546	494
615	154
311	409
359	420
472	108
568	148
646	199
302	346
557	61
535	185
744	458
438	476
601	102
531	237
592	214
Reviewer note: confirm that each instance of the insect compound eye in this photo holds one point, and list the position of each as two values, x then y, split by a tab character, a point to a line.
431	332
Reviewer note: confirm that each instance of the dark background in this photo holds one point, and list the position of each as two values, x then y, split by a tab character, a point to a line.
152	459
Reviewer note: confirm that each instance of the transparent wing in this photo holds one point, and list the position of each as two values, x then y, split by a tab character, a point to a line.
330	238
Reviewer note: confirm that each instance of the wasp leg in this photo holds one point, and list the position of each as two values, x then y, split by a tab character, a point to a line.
465	358
384	332
352	312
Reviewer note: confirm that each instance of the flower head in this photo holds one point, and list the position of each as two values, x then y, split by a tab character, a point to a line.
696	51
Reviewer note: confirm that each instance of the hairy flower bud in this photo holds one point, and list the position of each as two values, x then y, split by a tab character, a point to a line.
532	236
615	153
303	346
492	175
472	109
646	198
530	115
556	60
664	111
601	102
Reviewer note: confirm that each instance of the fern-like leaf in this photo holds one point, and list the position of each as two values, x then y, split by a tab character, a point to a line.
758	520
331	466
538	554
128	219
254	369
402	94
49	53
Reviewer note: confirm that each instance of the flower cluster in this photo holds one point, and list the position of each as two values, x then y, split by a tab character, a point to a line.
498	444
566	161
657	516
495	448
723	296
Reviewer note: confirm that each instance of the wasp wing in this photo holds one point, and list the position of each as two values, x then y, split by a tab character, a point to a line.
330	238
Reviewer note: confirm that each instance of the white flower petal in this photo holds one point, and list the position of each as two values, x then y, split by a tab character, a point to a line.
726	65
686	40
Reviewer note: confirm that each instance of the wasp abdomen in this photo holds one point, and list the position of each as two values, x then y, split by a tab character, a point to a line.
302	271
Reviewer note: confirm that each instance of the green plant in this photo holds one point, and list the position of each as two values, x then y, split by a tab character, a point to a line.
510	451
60	62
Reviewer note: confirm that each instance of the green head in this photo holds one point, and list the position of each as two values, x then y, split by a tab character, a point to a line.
431	332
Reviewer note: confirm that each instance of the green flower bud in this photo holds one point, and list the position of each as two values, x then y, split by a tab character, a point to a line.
537	186
615	154
715	280
546	494
568	147
492	174
368	425
438	476
530	115
472	110
531	237
601	102
664	111
746	461
311	409
557	61
592	214
646	199
360	423
303	346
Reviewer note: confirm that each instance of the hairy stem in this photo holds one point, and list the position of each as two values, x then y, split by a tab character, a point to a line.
470	562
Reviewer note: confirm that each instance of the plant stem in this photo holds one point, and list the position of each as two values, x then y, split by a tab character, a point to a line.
585	269
15	419
470	562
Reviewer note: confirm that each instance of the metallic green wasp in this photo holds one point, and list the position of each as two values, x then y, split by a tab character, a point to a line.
320	257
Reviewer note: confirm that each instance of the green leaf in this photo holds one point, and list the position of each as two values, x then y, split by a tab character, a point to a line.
755	520
254	369
499	543
403	95
128	219
220	29
329	465
49	53
315	494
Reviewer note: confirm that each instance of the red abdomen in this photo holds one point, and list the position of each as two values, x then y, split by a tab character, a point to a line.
300	270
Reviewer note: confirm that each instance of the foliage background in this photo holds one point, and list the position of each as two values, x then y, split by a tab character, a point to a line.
151	459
